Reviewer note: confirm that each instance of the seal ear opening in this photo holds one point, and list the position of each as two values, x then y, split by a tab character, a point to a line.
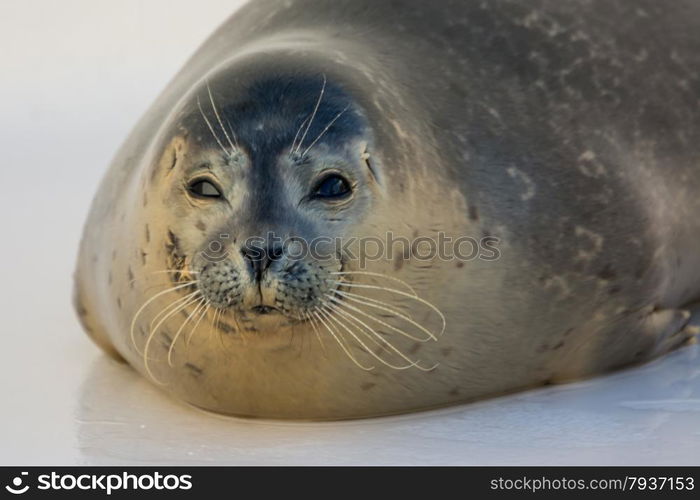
170	157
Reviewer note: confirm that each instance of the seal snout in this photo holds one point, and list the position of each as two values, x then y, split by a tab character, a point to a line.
265	279
258	258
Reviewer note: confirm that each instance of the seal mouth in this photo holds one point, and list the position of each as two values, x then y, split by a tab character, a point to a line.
263	310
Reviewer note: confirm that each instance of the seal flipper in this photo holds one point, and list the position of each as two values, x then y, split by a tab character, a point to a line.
671	329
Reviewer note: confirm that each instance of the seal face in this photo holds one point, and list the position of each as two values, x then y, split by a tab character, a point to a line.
278	166
380	208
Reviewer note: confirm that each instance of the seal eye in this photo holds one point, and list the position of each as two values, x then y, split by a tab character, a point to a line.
204	189
332	187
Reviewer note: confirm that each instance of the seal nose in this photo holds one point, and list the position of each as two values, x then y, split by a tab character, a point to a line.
259	258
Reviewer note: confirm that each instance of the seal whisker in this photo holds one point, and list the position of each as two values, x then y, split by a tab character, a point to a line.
202	302
211	129
211	324
379	275
173	271
230	128
403	294
153	333
296	136
369	351
383	306
330	124
170	306
342	303
203	315
318	314
145	304
218	118
313	115
312	322
355	320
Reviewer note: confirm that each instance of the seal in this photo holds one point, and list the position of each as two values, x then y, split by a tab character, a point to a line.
226	254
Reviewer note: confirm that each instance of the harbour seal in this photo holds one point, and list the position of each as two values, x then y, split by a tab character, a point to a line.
563	137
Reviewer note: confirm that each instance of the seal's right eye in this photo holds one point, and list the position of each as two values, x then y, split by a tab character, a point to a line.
202	188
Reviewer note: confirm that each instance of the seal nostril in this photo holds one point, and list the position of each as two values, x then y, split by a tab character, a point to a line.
275	252
259	258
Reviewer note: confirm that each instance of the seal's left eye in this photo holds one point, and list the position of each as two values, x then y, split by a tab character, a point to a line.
204	189
333	187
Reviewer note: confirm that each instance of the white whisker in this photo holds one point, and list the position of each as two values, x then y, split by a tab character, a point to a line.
313	114
318	314
136	315
201	304
355	320
399	292
330	124
377	304
312	321
170	306
296	136
211	129
153	333
379	275
218	118
381	322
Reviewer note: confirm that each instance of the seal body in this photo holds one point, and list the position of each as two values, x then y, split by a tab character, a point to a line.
562	137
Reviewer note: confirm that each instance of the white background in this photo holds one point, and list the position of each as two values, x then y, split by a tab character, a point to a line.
75	76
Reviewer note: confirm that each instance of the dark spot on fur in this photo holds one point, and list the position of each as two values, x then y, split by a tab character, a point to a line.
196	370
473	212
225	327
367	386
558	346
460	264
147	233
172	244
175	259
414	348
454	392
201	225
607	273
119	303
79	306
614	289
446	351
143	257
166	340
